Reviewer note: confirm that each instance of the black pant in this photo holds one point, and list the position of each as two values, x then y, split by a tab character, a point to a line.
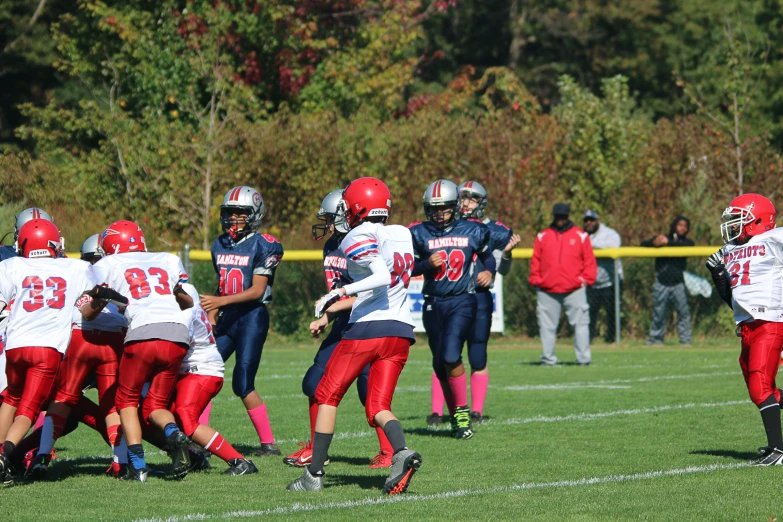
598	298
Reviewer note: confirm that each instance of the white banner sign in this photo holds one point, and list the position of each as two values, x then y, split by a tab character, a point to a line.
416	299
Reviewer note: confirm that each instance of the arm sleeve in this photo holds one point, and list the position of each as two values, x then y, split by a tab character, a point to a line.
504	266
588	262
488	259
380	277
647	242
721	280
535	264
420	267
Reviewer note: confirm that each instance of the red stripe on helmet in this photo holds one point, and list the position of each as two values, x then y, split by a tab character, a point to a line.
436	190
235	194
469	185
36	214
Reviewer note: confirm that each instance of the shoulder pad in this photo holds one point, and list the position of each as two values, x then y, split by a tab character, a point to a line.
414	224
270	238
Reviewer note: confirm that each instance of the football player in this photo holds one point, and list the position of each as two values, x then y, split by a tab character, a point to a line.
379	331
156	341
445	247
95	347
336	271
45	291
245	263
746	272
201	379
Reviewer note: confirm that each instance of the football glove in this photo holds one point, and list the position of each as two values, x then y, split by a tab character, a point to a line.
326	301
107	294
715	261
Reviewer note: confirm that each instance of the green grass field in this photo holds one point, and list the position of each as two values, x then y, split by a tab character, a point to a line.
661	434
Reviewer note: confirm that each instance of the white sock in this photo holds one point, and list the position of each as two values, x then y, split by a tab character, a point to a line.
47	437
121	452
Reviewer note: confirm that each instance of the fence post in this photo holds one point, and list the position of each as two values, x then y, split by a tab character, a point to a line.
187	263
617	300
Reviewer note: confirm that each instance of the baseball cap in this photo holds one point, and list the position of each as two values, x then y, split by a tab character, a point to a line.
590	214
561	209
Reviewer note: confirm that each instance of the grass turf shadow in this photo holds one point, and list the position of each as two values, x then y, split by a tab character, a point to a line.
732	454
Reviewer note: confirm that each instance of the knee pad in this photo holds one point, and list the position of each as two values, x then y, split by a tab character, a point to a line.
477	356
240	387
311	379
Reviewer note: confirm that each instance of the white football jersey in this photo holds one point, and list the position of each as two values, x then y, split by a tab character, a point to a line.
109	320
755	270
393	244
3	381
44	292
203	357
147	279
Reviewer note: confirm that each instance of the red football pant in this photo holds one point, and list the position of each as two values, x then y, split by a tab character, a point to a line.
31	373
156	361
91	350
386	356
193	394
762	343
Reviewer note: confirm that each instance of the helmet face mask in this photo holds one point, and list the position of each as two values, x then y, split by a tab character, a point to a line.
241	212
440	215
441	203
747	216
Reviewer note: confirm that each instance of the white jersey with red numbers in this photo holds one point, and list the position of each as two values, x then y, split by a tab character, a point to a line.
392	244
755	270
109	320
203	357
44	291
147	279
3	381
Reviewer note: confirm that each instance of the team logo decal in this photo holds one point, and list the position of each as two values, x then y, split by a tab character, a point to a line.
256	198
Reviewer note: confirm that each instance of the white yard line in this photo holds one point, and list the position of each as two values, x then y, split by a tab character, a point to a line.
621	381
304	507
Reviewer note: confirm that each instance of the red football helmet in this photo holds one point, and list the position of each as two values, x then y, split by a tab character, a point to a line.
123	236
747	215
39	238
366	197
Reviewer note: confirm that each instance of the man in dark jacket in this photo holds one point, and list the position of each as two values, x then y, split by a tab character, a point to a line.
563	266
669	284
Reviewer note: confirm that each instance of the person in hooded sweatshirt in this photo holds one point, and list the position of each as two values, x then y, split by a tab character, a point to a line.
669	287
562	268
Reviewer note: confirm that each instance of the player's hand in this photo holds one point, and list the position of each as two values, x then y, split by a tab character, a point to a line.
660	240
435	260
318	326
210	302
512	243
484	278
715	261
328	300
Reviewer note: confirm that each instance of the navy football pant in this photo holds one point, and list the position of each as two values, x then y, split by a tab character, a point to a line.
243	330
479	334
316	371
448	321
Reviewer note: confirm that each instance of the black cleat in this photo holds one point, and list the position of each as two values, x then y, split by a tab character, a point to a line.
773	457
268	450
38	467
198	461
240	467
178	444
434	419
476	417
6	471
135	475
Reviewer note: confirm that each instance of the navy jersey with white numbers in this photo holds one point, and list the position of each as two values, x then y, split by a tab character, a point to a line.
499	236
335	265
237	262
456	244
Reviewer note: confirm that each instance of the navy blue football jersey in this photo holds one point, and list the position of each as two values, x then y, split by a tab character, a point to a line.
335	265
7	252
237	262
456	244
499	236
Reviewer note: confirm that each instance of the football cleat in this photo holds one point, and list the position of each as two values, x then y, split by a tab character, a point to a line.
135	475
6	470
198	460
460	424
773	457
38	467
404	464
268	450
307	482
240	467
433	419
178	444
381	460
117	470
476	417
302	457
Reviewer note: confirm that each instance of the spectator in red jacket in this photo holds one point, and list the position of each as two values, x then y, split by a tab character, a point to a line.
563	266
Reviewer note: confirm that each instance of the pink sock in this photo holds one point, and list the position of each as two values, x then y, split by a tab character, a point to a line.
260	420
459	389
479	382
204	417
438	400
40	421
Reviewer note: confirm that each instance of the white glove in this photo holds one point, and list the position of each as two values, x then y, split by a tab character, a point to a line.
326	301
715	260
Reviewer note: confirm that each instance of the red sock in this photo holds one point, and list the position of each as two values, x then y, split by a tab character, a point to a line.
313	417
260	421
459	389
386	446
220	447
479	382
438	400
